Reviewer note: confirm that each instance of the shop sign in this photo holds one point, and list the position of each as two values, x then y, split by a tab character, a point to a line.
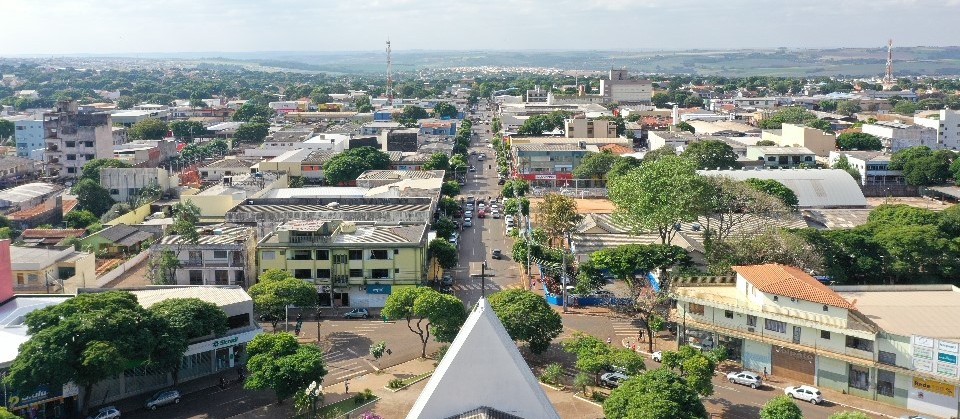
933	386
40	394
378	289
545	177
223	342
935	356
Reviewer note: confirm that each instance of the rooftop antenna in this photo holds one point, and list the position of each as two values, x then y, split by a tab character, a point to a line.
888	81
389	76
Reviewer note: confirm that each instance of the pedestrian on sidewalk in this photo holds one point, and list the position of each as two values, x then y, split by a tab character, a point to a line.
346	386
764	373
609	341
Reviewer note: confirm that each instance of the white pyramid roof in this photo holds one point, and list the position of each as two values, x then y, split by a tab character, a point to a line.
482	368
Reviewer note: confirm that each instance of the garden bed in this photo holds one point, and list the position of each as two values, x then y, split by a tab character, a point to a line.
344	407
409	382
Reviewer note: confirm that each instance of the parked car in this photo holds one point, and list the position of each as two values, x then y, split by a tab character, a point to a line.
746	378
446	280
496	254
481	214
109	412
468	222
502	181
357	313
612	379
508	231
163	398
657	356
468	213
481	157
495	214
805	393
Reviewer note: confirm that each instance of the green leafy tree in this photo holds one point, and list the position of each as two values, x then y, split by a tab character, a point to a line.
849	415
279	362
622	165
595	165
527	318
905	107
426	312
349	165
711	154
191	318
7	128
276	289
445	227
448	205
558	215
438	161
250	110
657	394
766	143
450	188
820	124
781	407
411	114
251	132
695	367
593	355
628	360
848	107
92	197
188	130
535	125
91	170
90	338
658	195
162	268
445	110
858	141
660	99
732	204
843	163
657	154
788	115
776	189
684	126
80	219
148	129
444	251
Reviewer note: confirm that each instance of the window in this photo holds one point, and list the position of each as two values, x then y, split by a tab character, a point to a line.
776	298
221	277
695	308
356	273
21	279
71	157
70	144
824	335
888	358
196	277
859	377
728	314
396	251
751	321
396	271
378	254
268	255
88	143
71	170
114	192
238	321
219	254
885	380
860	344
356	254
379	273
323	255
195	256
323	273
300	255
302	273
775	326
339	258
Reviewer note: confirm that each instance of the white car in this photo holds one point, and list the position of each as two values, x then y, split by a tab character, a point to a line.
495	214
746	378
508	231
468	222
468	214
481	206
109	412
657	356
805	393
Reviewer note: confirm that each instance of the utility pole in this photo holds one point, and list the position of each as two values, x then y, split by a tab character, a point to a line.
483	279
563	277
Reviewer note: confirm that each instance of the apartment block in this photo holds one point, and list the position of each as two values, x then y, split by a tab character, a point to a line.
589	128
224	255
74	138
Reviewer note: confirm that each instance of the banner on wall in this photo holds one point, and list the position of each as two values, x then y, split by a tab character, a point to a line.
935	356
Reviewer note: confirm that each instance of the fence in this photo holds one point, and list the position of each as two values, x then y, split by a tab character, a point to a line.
125	266
571	192
890	190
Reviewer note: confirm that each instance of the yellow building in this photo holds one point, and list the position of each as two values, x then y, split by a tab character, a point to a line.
363	262
793	135
52	270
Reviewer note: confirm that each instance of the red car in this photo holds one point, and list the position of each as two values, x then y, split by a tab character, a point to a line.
481	214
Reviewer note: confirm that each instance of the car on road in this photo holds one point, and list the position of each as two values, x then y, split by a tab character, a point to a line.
482	157
468	222
472	169
454	239
163	398
508	231
657	356
495	214
501	181
745	378
481	214
357	313
482	206
468	213
496	254
612	379
109	412
446	280
805	393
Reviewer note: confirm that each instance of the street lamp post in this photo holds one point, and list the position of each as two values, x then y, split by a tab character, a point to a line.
483	279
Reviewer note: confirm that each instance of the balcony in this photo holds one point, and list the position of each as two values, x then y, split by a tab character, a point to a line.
309	239
212	263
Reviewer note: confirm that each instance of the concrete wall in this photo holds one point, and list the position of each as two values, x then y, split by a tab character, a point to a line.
133	217
832	374
119	270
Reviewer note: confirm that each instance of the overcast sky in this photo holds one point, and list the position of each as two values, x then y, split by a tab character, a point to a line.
141	26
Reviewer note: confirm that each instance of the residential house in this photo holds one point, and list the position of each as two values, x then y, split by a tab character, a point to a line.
223	255
873	167
27	196
74	138
377	127
891	344
353	264
674	139
432	126
53	270
45	237
14	169
226	167
119	239
782	157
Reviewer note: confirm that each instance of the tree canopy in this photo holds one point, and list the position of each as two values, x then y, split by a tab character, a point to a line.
251	132
527	318
788	115
438	161
711	154
349	165
781	407
776	189
557	214
445	110
92	197
277	361
191	318
858	141
249	110
188	130
426	312
444	251
91	170
656	394
922	166
276	289
148	129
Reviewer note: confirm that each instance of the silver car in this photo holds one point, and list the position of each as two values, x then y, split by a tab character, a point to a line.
163	398
745	378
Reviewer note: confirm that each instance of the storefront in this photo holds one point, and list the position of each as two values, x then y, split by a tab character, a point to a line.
215	355
44	402
373	295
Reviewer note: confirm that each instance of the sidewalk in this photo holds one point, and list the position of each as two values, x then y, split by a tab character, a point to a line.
667	342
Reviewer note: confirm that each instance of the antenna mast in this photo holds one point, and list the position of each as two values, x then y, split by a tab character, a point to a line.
389	76
888	80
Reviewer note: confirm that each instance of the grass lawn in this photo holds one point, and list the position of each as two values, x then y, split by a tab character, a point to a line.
412	380
343	406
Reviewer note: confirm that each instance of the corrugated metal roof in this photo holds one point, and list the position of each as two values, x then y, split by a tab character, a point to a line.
815	188
219	295
214	234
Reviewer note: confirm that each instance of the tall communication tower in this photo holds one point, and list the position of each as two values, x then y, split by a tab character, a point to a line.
389	76
888	80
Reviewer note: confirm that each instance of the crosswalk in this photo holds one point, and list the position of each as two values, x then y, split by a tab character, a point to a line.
343	364
491	286
343	360
624	328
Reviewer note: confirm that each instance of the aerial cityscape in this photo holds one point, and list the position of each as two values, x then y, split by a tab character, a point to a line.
425	209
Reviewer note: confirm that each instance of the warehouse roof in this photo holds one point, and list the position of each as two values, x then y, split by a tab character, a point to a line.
815	188
924	310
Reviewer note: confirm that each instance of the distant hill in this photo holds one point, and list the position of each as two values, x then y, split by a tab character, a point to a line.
938	61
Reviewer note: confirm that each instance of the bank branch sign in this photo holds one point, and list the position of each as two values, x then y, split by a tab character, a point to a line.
222	342
935	356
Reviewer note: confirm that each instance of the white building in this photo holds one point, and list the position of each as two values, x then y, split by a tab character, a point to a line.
589	128
659	139
537	95
897	136
872	165
128	118
620	88
28	133
224	255
125	184
947	126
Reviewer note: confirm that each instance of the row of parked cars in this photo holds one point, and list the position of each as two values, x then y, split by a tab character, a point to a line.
160	399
